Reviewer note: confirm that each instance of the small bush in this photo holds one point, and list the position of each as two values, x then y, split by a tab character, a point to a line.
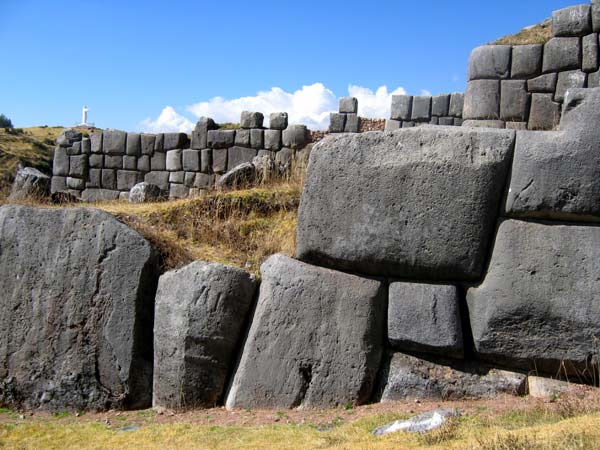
5	122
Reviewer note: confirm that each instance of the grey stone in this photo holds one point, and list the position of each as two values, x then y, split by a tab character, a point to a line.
537	307
514	100
96	161
516	125
264	165
557	175
348	105
568	80
409	377
175	141
126	179
401	107
251	120
134	144
68	137
147	144
295	136
86	146
458	122
446	121
158	178
484	124
191	160
352	123
192	362
58	184
367	214
256	138
440	105
29	182
240	175
109	179
408	124
543	83
239	155
482	100
561	53
143	163
189	179
221	138
204	181
113	161
200	133
272	140
78	166
144	192
219	160
94	179
544	113
113	142
242	138
526	60
425	318
589	61
177	177
99	195
92	288
547	388
326	362
595	13
124	196
572	21
129	162
423	423
490	62
337	122
206	160
75	149
174	160
278	120
158	142
391	125
436	120
421	107
593	79
96	141
284	159
75	183
60	165
178	191
457	101
158	161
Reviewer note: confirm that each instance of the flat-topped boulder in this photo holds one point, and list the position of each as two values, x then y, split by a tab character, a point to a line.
76	310
418	203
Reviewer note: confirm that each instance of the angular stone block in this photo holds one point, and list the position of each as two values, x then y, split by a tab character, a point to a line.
242	138
58	184
204	181
29	182
256	138
589	61
421	107
191	160
178	191
192	363
425	318
189	179
569	80
458	122
94	178
92	290
408	124
352	124
109	179
239	155
177	177
200	133
482	100
143	193
572	21
446	121
175	141
484	124
561	54
96	141
99	195
348	105
401	107
391	125
543	83
537	307
60	165
147	144
126	179
75	183
526	60
440	105
158	142
334	356
408	377
174	160
134	144
69	137
75	149
158	161
241	175
544	113
113	162
435	121
206	160
86	146
219	160
295	136
78	166
143	163
251	120
113	142
337	122
514	100
490	62
595	12
367	214
96	161
273	140
457	101
221	138
129	162
158	178
593	79
516	125
278	121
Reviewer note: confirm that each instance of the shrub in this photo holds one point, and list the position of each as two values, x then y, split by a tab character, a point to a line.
5	122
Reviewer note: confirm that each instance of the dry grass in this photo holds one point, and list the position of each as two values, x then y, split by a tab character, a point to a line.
537	34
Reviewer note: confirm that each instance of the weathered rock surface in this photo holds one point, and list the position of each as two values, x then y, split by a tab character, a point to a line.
418	203
490	62
238	176
405	376
145	192
423	423
76	322
315	340
537	307
29	182
201	310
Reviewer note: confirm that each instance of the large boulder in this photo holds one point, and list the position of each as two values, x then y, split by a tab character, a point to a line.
201	310
29	182
417	203
315	340
537	307
556	175
239	176
76	310
145	192
405	376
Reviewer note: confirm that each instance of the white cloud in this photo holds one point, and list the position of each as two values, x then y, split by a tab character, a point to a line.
309	105
425	92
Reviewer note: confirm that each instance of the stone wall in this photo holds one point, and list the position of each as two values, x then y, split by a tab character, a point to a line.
524	86
409	111
107	164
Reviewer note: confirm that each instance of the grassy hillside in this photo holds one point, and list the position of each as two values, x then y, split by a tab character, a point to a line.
536	34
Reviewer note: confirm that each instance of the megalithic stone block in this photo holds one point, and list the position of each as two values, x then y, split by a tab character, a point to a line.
490	62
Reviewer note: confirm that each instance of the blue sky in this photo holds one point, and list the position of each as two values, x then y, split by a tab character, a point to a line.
130	60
